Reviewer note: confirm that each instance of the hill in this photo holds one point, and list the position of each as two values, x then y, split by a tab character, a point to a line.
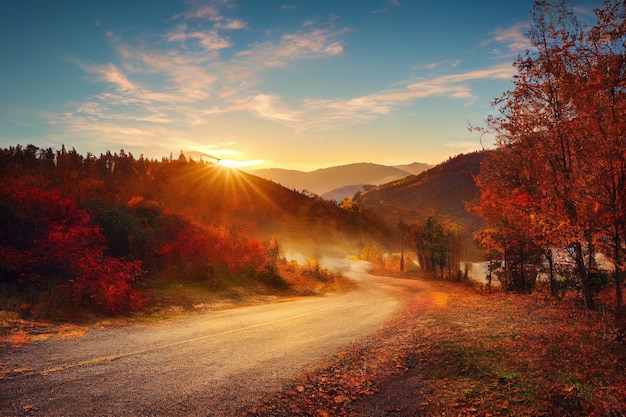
348	191
324	180
442	190
228	197
112	234
414	168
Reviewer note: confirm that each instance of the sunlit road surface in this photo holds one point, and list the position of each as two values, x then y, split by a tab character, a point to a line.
217	364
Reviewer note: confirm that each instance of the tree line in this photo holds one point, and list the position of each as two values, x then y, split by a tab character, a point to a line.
80	233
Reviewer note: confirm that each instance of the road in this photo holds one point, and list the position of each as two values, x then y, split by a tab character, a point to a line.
216	364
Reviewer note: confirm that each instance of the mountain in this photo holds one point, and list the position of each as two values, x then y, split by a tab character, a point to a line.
327	179
442	190
121	192
348	191
415	168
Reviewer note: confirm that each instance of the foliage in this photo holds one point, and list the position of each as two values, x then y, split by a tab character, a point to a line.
372	254
557	178
51	248
438	246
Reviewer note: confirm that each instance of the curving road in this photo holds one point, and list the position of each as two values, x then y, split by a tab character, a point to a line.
217	364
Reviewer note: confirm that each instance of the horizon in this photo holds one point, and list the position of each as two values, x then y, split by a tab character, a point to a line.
289	85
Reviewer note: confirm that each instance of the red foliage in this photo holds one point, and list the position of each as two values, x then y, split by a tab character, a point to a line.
200	246
64	251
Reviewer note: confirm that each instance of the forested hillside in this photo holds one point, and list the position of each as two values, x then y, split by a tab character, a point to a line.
94	233
443	191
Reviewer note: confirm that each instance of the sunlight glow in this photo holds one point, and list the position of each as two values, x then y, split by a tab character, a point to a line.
239	164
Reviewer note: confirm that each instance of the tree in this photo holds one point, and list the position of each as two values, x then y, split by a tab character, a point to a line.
52	248
438	246
512	235
564	123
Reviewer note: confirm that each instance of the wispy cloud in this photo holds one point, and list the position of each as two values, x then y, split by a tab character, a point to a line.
268	107
512	39
165	89
583	11
232	24
111	74
452	64
209	40
330	113
310	44
464	146
208	12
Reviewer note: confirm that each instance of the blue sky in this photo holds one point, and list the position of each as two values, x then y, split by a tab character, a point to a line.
297	84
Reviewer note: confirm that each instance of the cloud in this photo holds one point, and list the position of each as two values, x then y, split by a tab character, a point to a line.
90	108
209	40
464	146
111	74
332	113
187	78
232	24
312	44
452	64
513	38
583	11
268	107
205	12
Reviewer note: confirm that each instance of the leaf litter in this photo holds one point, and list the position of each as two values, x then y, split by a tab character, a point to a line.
454	351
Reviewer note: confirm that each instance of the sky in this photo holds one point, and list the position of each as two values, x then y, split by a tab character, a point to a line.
295	84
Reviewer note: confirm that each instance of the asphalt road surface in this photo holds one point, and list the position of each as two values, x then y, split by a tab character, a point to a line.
216	364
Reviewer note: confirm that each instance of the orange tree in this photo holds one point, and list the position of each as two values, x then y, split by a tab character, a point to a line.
562	128
512	233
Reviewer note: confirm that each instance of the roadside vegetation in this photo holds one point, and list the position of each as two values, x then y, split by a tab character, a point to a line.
556	181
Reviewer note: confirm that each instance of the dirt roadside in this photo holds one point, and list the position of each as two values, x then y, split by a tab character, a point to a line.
456	352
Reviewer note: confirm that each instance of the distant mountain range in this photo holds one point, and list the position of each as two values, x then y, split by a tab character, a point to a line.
336	183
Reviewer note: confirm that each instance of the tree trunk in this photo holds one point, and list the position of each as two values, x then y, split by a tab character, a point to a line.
553	289
618	276
584	276
521	285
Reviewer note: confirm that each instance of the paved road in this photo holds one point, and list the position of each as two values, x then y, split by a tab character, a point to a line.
217	364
